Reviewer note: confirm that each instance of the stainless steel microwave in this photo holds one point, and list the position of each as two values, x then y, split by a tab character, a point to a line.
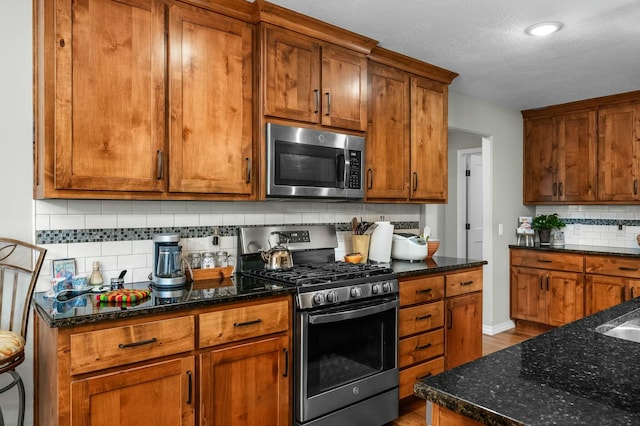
313	163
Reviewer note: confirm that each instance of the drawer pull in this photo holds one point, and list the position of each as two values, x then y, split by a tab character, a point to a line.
244	324
419	348
545	260
424	377
466	283
626	268
426	290
424	317
139	343
190	395
286	362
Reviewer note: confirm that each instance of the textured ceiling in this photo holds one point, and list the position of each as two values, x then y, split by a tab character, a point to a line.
597	53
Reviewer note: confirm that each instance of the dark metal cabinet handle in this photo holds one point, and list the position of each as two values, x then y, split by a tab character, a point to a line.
466	283
370	178
328	95
547	283
635	187
244	324
248	170
450	319
424	317
286	362
159	165
190	395
415	181
545	261
541	278
419	348
560	189
316	94
555	189
424	377
62	43
426	290
138	343
627	268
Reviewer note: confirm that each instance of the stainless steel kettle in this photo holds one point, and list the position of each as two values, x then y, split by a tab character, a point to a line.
277	258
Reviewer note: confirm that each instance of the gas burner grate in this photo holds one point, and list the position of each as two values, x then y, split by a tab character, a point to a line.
322	273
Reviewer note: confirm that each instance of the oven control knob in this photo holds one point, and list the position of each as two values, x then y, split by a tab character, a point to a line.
356	292
318	299
386	287
375	289
332	297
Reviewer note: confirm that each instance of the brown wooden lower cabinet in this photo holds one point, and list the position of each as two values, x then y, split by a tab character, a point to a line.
180	368
440	324
443	417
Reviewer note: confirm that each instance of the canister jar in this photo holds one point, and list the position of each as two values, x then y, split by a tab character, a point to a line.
208	260
222	259
195	260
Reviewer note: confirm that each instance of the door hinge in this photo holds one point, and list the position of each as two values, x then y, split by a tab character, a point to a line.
467	173
467	226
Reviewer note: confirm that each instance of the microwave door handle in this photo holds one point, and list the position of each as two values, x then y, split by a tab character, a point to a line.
342	166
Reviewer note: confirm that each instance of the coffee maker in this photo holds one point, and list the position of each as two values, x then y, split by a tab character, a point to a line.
167	261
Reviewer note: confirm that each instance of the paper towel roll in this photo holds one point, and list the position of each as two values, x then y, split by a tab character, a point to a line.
380	246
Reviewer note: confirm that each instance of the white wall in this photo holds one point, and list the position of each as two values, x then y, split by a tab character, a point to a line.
503	203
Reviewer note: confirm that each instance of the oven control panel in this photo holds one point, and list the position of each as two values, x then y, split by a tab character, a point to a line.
347	293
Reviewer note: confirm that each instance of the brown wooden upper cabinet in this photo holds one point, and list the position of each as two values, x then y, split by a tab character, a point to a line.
560	158
618	153
583	152
211	103
108	84
406	151
309	80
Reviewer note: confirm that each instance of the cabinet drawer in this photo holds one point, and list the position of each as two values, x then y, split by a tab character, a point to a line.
463	282
97	350
419	348
230	325
616	266
411	375
421	290
421	318
547	260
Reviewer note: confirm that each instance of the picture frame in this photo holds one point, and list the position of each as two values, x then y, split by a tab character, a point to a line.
524	225
63	268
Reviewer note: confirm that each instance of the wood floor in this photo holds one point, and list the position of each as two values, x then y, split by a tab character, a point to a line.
412	411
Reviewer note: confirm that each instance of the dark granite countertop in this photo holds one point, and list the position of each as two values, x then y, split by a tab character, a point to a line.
571	375
583	249
434	265
86	309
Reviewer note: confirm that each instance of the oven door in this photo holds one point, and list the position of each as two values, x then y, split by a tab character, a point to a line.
346	355
311	163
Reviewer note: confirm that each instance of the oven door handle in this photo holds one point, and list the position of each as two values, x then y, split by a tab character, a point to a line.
348	314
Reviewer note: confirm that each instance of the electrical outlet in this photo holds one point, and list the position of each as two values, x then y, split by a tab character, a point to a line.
577	229
620	232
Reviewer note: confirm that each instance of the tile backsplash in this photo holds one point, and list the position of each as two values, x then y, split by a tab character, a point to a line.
610	226
118	233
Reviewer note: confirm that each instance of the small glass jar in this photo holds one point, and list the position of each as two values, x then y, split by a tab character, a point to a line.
195	260
208	260
222	259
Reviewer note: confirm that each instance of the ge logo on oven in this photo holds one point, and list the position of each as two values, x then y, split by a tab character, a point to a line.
356	390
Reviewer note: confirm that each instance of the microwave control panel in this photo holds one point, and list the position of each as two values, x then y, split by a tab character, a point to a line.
355	170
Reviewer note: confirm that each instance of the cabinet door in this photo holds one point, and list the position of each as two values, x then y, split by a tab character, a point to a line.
291	75
463	333
246	384
344	88
564	297
602	292
159	394
109	107
576	180
387	153
428	179
539	163
211	141
527	297
618	139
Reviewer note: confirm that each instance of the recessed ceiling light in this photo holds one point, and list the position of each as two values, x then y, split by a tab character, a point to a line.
544	28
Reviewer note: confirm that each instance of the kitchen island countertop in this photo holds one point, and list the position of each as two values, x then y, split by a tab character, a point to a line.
571	375
585	249
434	265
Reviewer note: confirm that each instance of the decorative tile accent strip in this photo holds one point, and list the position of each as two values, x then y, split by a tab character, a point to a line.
66	236
601	222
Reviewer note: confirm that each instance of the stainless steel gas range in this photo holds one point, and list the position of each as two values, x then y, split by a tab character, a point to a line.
345	349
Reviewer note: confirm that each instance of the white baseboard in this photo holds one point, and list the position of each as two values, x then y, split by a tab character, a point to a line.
498	328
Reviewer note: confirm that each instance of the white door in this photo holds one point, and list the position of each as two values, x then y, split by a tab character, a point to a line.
474	206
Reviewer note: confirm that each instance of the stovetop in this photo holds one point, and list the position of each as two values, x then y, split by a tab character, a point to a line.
324	273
